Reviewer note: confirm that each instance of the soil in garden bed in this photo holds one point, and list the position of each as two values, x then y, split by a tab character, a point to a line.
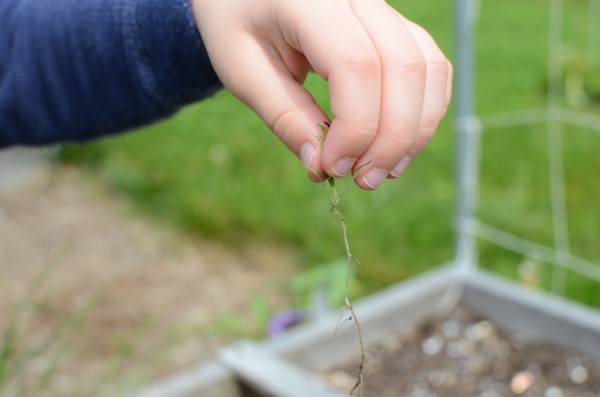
463	355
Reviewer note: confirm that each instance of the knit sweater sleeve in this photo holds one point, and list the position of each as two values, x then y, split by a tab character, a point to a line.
74	70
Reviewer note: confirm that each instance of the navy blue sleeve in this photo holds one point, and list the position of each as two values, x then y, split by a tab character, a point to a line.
74	70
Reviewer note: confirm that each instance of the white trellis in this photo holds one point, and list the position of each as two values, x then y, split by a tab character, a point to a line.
554	116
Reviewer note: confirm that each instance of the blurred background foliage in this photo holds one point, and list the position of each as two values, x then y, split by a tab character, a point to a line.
215	170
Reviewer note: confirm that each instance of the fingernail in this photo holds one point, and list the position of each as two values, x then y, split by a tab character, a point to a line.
343	166
399	169
375	178
307	152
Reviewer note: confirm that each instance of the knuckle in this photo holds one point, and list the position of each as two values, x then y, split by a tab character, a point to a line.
413	64
364	63
427	131
400	144
420	142
366	130
439	65
280	124
430	121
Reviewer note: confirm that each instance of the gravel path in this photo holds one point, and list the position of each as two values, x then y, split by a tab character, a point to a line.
151	300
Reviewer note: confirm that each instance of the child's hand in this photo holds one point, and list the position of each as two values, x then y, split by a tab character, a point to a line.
389	82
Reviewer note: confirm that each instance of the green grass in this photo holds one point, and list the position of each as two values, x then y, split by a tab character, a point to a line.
214	169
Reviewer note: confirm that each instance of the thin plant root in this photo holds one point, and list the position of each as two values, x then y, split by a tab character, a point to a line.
329	184
348	305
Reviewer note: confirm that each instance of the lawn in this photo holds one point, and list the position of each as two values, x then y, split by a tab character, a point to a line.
214	169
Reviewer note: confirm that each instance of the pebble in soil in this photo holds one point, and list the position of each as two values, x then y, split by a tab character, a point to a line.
466	355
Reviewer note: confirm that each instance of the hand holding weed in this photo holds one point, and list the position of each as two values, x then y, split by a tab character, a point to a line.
389	82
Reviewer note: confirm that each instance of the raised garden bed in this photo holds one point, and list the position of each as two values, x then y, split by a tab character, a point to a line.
307	360
462	353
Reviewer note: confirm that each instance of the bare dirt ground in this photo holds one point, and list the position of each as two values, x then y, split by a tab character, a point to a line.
122	300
